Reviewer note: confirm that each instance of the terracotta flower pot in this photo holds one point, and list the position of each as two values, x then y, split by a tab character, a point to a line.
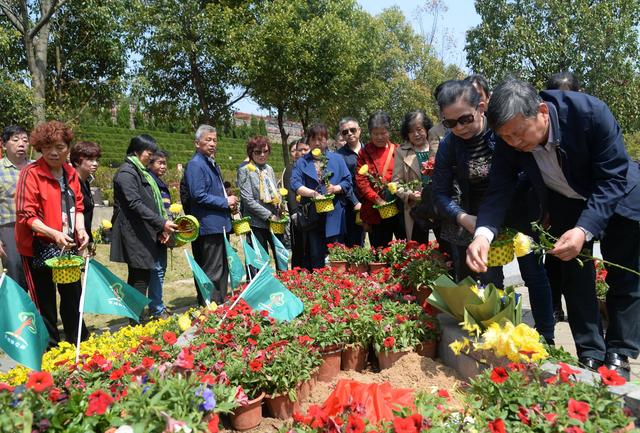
340	266
304	390
330	366
422	293
428	349
281	406
249	416
358	269
376	266
629	427
354	358
386	359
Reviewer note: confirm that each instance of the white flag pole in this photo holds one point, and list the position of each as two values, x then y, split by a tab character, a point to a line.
186	255
4	274
81	307
242	293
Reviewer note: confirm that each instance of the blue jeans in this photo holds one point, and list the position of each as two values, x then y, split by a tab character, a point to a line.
156	282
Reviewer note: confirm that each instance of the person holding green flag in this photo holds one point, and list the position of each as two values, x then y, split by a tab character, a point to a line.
140	222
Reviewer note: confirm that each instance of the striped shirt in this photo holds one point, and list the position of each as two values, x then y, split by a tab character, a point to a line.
8	181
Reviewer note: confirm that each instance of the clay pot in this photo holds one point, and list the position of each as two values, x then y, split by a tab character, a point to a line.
376	266
340	266
249	416
330	366
629	427
358	269
386	359
428	349
281	406
304	390
354	358
422	293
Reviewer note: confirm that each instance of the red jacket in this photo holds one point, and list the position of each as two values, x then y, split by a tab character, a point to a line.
38	196
375	158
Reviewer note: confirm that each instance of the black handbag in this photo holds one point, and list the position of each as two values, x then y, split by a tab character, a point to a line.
306	218
426	209
42	250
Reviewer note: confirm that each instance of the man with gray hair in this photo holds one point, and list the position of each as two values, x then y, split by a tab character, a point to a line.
203	195
572	150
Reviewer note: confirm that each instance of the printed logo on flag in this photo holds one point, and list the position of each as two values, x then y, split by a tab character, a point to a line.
28	322
118	293
275	300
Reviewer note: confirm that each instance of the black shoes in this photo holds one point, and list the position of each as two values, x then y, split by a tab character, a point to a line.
558	315
619	363
590	363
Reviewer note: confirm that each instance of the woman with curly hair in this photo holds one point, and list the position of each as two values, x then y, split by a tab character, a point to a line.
49	211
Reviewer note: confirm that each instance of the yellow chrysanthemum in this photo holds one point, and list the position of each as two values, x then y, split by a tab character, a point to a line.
298	198
472	329
175	208
283	191
392	187
184	322
106	224
522	244
251	167
363	170
212	306
316	153
458	346
517	343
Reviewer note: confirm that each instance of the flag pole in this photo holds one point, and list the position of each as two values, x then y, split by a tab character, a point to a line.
4	274
186	255
242	293
81	307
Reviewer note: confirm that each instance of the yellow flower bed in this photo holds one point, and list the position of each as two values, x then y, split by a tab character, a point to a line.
111	346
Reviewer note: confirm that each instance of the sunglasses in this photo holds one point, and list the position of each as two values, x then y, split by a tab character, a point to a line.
348	130
261	152
462	120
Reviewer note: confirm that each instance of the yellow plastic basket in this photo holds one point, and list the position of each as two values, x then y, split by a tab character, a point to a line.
279	227
387	210
65	269
501	251
241	226
325	204
188	229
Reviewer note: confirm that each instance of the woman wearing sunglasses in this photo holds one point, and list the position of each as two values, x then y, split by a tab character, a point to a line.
464	157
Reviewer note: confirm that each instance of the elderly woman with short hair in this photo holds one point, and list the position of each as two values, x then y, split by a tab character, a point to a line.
49	210
85	157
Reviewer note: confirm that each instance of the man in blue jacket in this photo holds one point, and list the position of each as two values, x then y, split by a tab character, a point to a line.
571	148
209	203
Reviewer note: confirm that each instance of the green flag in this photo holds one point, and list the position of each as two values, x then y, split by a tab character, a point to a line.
24	336
282	254
204	283
259	249
251	256
236	268
108	294
267	293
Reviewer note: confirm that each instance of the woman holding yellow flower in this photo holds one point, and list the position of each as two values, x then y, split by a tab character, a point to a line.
260	197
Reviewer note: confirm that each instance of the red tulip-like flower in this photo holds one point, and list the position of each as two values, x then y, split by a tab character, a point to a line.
99	402
610	377
39	381
499	375
402	425
354	425
169	337
578	410
497	426
389	342
255	330
255	365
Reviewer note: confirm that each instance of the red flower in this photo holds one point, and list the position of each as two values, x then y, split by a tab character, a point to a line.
185	359
610	377
578	410
573	429
214	424
116	374
255	365
304	339
499	375
155	348
255	330
377	317
443	393
523	414
389	342
6	387
39	381
99	402
251	341
318	416
169	337
402	425
497	426
354	425
551	417
147	362
54	395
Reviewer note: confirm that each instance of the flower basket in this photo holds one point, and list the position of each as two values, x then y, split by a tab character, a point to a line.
501	251
241	226
249	416
324	205
387	210
66	269
279	227
354	358
281	406
188	229
386	358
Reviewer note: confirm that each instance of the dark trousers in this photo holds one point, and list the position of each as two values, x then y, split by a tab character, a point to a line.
553	266
139	279
210	254
621	245
40	282
318	242
298	248
264	237
381	234
355	233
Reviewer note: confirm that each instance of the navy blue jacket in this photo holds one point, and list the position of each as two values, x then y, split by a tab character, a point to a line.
591	152
351	160
304	174
452	162
207	200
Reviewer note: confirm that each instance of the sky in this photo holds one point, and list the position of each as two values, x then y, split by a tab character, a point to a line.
459	17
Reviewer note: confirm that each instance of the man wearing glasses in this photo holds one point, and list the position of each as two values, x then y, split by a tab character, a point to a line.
349	130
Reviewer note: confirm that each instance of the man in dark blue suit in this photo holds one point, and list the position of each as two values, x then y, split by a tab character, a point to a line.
571	147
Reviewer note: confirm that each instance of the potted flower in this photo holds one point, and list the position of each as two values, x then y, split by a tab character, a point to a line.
279	225
359	326
328	334
338	255
418	275
377	262
323	203
396	330
386	190
359	259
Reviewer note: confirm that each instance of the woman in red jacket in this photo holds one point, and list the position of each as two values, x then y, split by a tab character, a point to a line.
378	156
49	208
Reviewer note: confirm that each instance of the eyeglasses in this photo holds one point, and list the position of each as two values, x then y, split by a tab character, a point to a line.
261	152
462	120
346	132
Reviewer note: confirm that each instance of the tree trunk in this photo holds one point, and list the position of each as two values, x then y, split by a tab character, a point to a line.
196	79
36	49
283	136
